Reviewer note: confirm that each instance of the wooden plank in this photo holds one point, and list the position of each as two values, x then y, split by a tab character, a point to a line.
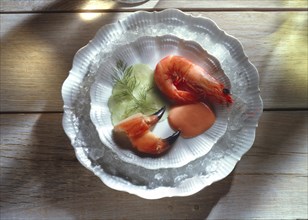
37	52
41	179
279	137
111	5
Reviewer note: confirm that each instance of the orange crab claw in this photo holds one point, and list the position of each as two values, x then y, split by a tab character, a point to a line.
172	138
136	130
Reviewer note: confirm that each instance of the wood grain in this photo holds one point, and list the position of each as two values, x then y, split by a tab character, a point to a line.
37	52
111	5
41	179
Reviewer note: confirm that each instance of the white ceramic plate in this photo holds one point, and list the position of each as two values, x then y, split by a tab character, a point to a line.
185	180
150	50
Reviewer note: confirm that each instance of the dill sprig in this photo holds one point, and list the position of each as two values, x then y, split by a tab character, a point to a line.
128	88
143	102
125	82
133	91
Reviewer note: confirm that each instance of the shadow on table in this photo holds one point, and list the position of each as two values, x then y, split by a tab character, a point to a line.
286	86
34	43
280	133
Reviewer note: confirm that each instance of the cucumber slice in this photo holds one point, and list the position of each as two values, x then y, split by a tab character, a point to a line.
135	92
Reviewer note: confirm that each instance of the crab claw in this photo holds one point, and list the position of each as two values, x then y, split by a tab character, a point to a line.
160	113
149	143
136	130
171	139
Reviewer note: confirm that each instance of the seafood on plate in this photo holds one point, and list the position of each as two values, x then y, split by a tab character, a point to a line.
182	81
137	129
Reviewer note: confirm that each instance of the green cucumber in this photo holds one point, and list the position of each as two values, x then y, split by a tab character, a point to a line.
133	92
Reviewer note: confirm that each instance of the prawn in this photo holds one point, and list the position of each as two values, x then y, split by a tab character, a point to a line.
136	129
184	82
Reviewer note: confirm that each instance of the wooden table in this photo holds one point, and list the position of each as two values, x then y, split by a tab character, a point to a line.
40	175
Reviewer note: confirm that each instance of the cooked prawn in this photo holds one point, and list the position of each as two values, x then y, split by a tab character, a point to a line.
137	129
182	82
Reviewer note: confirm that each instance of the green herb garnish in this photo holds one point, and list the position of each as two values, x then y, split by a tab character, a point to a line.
133	92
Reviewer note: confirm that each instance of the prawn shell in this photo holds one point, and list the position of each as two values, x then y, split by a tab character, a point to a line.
150	50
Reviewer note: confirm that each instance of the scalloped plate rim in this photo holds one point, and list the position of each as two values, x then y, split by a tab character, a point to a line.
105	177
